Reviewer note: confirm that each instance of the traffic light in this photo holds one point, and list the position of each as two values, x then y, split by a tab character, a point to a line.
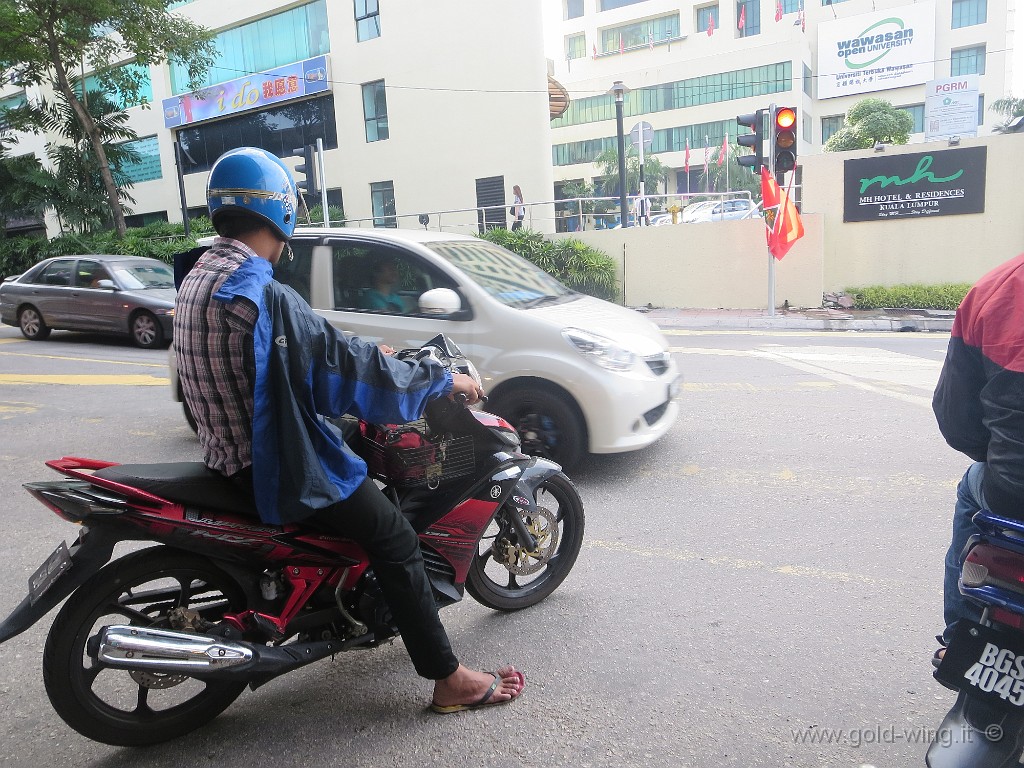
307	167
783	140
755	140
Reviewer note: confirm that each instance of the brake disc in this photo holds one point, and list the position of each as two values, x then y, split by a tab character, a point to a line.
543	526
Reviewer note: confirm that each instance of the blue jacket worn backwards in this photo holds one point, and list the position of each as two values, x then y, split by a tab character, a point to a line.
307	370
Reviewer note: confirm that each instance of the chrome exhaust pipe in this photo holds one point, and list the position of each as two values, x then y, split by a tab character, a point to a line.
161	650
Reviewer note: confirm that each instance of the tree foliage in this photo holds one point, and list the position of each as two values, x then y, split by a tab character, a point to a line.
1010	108
869	122
654	172
44	42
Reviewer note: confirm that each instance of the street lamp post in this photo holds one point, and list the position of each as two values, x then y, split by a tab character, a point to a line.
619	90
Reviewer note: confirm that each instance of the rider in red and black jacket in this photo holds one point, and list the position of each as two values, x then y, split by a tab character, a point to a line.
979	405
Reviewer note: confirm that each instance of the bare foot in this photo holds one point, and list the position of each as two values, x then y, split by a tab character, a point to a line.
465	688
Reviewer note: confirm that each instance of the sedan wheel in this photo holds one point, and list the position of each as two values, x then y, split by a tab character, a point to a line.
32	325
146	331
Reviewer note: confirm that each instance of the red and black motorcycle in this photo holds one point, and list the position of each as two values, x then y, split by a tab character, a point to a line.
160	641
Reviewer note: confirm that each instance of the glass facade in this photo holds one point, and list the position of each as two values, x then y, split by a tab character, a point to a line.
576	47
967	13
709	89
664	140
120	100
375	111
607	5
382	199
791	6
830	125
258	46
148	167
751	14
638	33
808	80
367	19
278	130
573	9
704	16
916	111
967	61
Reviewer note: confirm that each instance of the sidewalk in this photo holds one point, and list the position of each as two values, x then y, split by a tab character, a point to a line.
802	320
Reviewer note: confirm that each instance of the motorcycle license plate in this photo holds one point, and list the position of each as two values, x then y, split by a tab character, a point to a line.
986	663
47	574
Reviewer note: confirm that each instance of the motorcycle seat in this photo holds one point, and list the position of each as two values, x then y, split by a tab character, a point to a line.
191	483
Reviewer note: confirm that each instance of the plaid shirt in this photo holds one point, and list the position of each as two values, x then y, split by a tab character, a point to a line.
213	342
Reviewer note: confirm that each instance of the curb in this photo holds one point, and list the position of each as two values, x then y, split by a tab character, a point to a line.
681	321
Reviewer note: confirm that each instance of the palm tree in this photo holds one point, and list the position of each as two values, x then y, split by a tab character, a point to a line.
654	172
1010	108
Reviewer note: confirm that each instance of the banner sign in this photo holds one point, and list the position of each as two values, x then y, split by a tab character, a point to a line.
951	107
292	81
877	51
943	183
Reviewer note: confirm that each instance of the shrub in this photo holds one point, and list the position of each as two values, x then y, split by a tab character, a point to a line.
571	262
915	296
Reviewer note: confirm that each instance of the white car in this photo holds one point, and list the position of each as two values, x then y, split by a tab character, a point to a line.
725	210
573	373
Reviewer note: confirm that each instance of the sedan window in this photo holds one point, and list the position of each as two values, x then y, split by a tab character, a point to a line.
90	273
136	276
58	273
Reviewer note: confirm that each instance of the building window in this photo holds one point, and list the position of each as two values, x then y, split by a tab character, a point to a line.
382	199
367	20
791	6
278	130
981	108
830	125
259	46
11	102
967	13
145	219
832	2
375	111
808	129
120	100
607	5
967	61
576	47
708	89
750	12
916	111
663	140
640	33
808	81
704	17
147	168
573	9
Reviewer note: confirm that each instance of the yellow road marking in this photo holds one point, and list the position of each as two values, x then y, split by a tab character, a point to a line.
682	555
82	379
82	359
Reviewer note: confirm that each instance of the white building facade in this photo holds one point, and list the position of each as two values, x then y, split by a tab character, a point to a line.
420	107
692	68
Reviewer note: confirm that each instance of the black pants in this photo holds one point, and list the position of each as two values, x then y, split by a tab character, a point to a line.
369	518
517	224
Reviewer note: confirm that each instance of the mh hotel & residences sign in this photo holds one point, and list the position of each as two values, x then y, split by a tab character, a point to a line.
877	51
922	184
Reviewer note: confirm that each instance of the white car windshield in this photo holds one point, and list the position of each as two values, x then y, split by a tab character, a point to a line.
136	277
509	278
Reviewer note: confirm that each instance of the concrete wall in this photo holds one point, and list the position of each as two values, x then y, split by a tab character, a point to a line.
725	264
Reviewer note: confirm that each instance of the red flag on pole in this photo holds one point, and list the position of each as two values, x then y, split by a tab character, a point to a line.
803	17
707	155
622	45
778	10
650	39
711	24
686	166
595	50
781	217
725	149
743	17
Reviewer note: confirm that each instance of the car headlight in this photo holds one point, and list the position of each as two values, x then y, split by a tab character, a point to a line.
600	349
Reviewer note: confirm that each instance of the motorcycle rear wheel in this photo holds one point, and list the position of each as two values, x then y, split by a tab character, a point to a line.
129	708
506	577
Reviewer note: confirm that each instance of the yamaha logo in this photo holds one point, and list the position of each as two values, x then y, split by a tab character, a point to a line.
495	491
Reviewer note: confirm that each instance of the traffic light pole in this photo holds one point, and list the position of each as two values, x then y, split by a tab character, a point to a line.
323	180
771	171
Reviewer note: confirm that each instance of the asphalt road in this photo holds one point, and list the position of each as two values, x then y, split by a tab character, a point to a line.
759	589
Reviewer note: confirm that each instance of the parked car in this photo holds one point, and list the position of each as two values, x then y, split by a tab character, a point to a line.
725	210
110	294
573	373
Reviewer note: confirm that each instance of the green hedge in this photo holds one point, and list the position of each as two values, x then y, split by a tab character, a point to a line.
914	296
573	263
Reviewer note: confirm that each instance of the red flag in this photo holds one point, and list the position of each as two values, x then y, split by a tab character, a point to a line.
743	17
803	17
725	149
707	155
781	217
687	161
595	50
711	24
778	10
650	39
622	45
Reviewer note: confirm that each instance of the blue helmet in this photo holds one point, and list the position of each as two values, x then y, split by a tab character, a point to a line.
252	180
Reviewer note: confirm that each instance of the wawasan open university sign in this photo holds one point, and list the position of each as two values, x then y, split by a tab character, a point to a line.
292	81
877	51
943	183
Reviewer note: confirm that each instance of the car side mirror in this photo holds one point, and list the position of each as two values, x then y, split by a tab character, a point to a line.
440	301
108	284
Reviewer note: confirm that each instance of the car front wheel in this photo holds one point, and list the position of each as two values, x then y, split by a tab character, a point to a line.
33	327
146	331
548	423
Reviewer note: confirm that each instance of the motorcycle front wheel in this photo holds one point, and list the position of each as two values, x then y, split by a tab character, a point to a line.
135	708
505	575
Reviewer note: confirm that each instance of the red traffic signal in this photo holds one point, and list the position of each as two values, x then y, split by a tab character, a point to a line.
783	140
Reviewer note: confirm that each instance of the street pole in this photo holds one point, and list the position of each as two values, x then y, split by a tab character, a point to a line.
323	180
643	190
619	90
181	188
